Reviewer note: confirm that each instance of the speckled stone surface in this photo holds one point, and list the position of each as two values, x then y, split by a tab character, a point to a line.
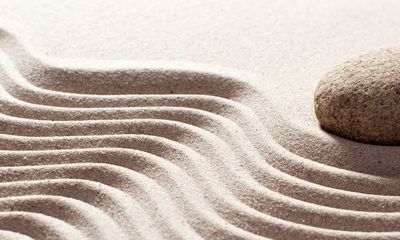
360	99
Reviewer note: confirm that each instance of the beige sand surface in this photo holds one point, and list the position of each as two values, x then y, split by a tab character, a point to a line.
217	139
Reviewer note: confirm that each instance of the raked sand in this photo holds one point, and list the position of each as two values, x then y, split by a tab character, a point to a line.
228	148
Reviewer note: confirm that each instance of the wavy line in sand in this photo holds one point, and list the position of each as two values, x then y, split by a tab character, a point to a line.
159	154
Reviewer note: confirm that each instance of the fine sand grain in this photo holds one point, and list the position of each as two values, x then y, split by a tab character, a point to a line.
173	151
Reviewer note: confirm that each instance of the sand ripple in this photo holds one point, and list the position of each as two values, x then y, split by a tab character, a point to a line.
155	151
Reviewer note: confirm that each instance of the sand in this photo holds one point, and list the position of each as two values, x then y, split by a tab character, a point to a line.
94	149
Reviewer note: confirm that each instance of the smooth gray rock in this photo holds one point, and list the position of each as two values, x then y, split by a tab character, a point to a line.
360	99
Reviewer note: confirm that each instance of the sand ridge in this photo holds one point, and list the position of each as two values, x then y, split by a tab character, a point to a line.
151	151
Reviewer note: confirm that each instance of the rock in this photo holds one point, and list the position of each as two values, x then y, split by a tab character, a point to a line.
360	99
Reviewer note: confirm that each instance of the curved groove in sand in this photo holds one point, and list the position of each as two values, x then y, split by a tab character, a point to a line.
145	132
87	219
38	226
10	235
